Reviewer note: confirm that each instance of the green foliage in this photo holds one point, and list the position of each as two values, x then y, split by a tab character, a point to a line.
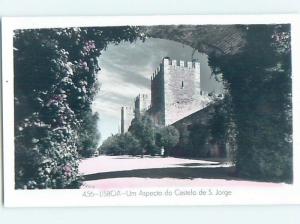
89	135
142	127
217	124
111	146
199	138
258	80
142	138
167	137
220	127
55	84
121	144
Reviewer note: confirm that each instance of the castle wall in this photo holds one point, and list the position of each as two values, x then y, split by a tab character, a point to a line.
157	110
201	119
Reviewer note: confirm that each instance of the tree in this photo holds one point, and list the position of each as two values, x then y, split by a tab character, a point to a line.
258	79
55	84
121	144
111	146
167	137
199	138
142	127
89	135
132	144
220	126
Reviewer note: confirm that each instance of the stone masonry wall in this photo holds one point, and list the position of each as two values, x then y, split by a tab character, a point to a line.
182	92
157	107
141	104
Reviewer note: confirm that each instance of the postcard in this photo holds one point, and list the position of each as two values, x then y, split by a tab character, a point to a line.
151	110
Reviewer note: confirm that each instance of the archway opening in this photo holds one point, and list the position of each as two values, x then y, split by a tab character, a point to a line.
126	71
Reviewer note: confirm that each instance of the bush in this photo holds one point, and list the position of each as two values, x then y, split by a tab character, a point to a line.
121	144
199	137
143	129
142	138
89	135
55	83
167	137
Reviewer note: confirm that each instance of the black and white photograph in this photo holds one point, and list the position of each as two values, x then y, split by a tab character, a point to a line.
149	111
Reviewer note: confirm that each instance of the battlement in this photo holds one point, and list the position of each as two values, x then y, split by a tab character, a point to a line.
174	65
156	72
181	63
127	109
142	96
142	103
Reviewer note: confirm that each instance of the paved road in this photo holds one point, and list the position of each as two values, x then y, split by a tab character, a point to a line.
109	172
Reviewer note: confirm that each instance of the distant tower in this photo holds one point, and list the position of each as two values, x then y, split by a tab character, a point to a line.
141	104
175	91
127	114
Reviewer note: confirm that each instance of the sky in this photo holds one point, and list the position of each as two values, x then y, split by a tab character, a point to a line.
126	70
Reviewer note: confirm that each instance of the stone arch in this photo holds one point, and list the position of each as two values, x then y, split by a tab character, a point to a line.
209	39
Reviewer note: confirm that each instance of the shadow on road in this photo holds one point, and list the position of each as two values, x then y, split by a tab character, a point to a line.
198	164
137	157
171	172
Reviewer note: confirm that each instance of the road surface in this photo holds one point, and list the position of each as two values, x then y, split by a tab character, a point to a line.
111	172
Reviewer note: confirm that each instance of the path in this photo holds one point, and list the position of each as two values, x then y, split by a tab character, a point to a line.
108	172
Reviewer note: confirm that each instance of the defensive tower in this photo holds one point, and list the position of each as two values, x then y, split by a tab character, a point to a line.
175	91
141	104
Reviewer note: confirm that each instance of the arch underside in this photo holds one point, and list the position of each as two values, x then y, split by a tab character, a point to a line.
209	39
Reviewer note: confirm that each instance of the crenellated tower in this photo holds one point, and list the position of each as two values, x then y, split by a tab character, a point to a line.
175	94
141	104
175	91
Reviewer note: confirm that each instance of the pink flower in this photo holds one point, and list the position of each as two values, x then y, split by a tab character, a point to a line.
67	168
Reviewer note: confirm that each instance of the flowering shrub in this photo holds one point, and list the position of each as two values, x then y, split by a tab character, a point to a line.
55	84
